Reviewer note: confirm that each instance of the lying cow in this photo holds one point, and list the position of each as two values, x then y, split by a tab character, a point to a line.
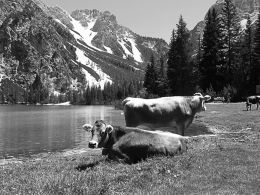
165	111
132	144
252	100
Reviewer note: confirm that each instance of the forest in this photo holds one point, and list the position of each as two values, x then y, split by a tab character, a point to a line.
227	63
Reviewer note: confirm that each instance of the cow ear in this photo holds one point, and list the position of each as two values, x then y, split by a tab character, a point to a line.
87	127
109	129
207	98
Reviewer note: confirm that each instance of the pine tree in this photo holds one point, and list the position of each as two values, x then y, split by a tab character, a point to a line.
210	58
179	67
171	69
230	26
255	73
151	77
162	80
245	65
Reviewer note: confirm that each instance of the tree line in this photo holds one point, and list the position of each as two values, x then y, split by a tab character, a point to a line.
226	64
91	95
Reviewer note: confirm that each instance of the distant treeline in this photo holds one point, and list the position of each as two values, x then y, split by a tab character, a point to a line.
13	93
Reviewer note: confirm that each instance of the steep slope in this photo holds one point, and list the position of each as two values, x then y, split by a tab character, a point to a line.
68	52
101	31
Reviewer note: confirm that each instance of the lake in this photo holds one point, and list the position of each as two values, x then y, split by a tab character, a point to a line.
27	130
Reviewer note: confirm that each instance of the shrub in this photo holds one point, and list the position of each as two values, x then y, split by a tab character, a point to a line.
229	92
210	91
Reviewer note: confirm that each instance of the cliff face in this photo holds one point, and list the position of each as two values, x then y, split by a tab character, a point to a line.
101	31
69	51
33	44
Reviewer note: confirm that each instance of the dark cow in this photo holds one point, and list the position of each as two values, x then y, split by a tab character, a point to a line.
252	100
162	112
131	145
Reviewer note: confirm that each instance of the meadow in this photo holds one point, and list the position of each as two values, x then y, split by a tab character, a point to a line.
222	158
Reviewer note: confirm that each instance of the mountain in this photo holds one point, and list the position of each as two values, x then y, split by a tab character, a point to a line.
64	52
244	8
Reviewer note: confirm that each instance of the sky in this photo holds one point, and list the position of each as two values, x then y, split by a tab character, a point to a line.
152	18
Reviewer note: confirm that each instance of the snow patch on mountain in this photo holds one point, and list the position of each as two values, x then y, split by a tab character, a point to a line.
84	33
57	20
2	76
136	53
127	52
243	24
253	18
150	45
83	59
108	49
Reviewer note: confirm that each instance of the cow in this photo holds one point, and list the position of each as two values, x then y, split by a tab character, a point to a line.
163	112
252	100
131	145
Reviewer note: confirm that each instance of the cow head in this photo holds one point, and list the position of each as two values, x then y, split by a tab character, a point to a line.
97	131
200	100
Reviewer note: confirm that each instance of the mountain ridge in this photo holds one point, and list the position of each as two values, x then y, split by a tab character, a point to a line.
70	52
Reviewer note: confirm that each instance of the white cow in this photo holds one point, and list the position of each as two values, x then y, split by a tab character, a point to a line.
164	112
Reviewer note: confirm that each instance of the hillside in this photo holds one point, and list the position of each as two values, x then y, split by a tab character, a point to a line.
244	8
69	51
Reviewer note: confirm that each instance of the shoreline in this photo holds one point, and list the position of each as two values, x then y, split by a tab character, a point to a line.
44	155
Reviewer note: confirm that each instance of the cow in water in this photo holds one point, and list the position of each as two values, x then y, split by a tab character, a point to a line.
252	100
131	145
164	112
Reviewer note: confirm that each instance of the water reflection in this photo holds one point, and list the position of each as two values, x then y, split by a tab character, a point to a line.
26	130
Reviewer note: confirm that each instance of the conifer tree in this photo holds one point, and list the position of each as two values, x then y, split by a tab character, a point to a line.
245	65
210	57
151	77
179	67
162	80
255	73
171	69
230	26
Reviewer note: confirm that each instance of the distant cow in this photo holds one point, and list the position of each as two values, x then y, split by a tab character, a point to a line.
131	145
166	111
252	100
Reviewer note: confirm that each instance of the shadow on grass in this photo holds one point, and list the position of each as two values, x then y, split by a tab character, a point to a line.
196	129
83	167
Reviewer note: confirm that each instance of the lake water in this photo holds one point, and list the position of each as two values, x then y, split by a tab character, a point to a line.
27	130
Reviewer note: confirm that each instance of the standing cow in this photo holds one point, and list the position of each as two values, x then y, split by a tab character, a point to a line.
252	100
131	145
164	112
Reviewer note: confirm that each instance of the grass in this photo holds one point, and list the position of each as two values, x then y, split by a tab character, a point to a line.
227	163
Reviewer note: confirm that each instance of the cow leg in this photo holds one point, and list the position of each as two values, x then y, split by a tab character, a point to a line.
117	155
180	128
182	125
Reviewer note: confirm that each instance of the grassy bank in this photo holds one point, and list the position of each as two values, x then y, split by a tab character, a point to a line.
227	163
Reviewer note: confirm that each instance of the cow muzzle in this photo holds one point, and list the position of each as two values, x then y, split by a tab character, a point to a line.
92	144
